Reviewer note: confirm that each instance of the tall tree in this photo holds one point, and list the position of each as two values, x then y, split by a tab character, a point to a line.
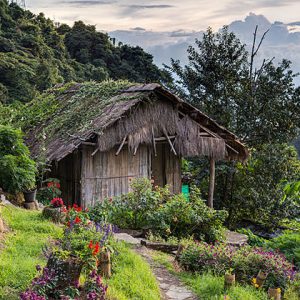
261	105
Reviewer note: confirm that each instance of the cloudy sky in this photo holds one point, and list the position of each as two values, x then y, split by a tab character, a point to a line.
158	15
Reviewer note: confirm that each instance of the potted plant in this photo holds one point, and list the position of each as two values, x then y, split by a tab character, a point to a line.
229	278
54	210
30	195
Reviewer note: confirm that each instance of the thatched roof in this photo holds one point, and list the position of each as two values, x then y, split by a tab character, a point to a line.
109	112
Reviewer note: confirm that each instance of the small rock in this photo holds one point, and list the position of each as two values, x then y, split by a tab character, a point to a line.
126	238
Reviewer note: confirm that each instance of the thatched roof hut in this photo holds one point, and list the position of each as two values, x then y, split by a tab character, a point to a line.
84	123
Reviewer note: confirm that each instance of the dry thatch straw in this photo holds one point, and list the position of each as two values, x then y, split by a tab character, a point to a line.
135	113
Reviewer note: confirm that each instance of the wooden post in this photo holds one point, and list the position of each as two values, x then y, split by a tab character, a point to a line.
105	264
212	170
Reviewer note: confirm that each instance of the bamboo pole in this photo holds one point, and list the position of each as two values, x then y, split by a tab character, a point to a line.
121	146
212	171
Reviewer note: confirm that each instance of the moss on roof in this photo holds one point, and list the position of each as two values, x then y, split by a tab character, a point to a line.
70	108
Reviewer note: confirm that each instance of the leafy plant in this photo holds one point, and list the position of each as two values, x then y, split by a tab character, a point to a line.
246	263
253	239
50	191
18	170
289	244
181	218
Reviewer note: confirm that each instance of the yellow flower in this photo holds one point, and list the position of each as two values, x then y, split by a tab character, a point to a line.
253	280
278	290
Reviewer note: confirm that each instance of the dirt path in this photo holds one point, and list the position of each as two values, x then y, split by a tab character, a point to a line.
171	287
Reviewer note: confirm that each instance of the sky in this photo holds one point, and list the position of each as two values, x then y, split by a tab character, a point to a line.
162	15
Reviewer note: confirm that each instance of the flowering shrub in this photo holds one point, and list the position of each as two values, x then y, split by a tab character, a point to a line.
57	202
246	263
79	250
44	287
50	191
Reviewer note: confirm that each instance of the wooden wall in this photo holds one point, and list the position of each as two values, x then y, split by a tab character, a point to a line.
166	168
87	179
106	175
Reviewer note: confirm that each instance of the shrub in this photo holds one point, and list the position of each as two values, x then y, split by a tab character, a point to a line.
17	169
167	215
180	218
253	239
246	263
131	210
289	244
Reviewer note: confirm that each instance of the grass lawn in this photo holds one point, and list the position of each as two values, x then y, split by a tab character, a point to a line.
22	249
208	286
132	277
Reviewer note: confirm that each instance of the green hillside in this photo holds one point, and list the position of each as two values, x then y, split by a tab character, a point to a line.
36	54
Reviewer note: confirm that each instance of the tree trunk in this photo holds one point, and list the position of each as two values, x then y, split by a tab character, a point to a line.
212	171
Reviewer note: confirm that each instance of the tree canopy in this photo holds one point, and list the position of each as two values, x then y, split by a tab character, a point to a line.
36	54
260	105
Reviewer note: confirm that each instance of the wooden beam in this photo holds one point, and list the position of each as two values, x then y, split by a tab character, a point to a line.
170	143
121	146
154	143
88	144
161	139
95	151
212	171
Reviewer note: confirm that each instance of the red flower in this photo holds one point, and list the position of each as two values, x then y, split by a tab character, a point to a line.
57	185
96	249
75	205
68	224
57	202
91	245
49	184
77	220
64	210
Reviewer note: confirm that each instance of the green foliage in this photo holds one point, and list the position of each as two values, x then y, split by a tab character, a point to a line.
30	233
289	244
51	190
35	55
253	239
131	210
258	189
246	262
17	169
181	218
260	106
208	286
167	215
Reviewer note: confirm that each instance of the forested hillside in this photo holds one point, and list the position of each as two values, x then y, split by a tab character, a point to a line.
36	53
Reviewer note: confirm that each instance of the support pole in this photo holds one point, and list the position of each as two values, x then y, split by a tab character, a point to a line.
212	172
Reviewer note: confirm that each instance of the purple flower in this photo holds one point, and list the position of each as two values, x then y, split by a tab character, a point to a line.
38	268
92	296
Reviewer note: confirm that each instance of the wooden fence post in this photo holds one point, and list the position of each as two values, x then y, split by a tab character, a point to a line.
212	171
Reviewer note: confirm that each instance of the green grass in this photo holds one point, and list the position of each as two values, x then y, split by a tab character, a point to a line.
22	249
208	286
132	277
